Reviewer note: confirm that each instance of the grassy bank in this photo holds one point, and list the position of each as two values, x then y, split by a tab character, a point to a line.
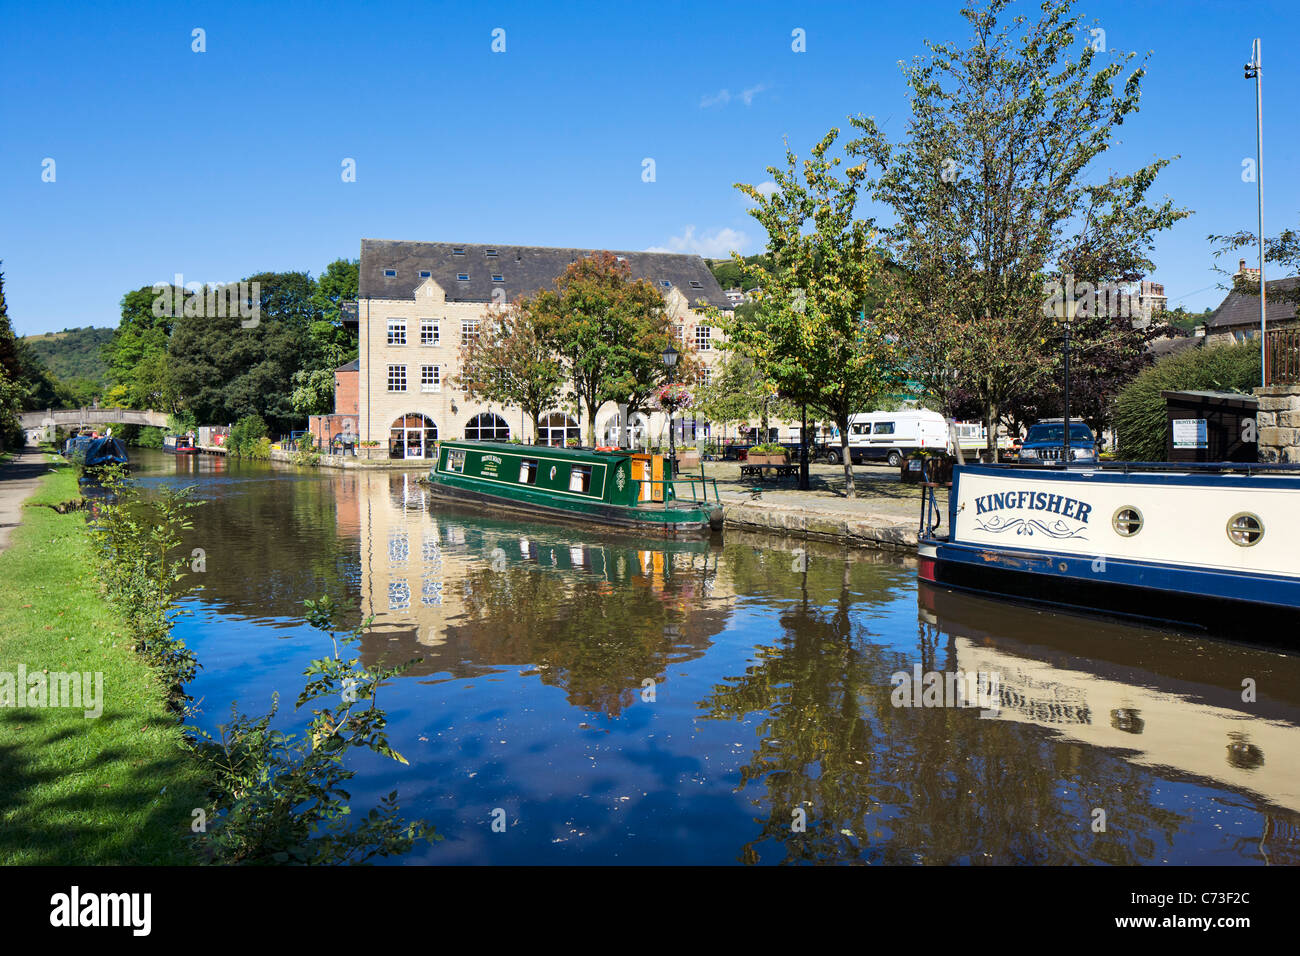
114	789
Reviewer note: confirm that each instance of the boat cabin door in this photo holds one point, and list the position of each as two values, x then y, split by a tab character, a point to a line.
649	470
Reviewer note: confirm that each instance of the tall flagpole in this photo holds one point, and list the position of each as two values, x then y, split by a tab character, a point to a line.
1254	71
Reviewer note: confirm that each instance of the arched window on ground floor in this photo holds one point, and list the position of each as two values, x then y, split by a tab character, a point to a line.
412	436
638	428
487	426
557	428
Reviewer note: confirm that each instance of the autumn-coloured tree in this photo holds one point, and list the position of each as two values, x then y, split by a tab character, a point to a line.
608	331
510	363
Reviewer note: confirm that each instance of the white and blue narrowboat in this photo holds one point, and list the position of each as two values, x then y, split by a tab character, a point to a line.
1209	545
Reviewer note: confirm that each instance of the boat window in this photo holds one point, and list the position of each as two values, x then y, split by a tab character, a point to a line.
1245	529
884	428
456	459
528	472
1127	521
580	478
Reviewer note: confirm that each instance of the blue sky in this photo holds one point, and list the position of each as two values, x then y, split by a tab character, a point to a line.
220	164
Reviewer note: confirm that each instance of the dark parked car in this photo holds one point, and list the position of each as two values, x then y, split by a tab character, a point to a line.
1046	443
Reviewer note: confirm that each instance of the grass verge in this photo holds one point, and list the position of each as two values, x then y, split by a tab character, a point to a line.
117	789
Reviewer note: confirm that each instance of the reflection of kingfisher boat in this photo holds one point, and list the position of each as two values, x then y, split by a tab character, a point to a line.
1208	545
1162	706
615	489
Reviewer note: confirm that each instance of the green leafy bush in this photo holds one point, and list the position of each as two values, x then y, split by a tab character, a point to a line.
246	438
1140	417
141	572
278	797
768	448
305	452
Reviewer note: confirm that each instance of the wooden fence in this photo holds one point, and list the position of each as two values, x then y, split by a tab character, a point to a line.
1283	357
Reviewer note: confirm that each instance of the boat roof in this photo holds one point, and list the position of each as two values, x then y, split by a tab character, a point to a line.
549	451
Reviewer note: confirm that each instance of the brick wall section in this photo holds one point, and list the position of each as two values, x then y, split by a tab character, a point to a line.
1279	423
345	392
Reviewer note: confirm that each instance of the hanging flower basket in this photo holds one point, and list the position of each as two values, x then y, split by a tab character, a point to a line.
673	397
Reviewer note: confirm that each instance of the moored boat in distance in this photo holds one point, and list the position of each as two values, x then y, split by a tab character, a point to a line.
1207	545
95	451
179	445
617	490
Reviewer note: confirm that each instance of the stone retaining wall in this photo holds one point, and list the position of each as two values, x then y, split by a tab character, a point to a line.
1278	421
349	461
867	531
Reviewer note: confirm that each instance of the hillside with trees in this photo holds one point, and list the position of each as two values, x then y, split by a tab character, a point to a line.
73	355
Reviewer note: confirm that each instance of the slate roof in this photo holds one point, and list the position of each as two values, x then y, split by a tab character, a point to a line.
1159	348
1243	310
523	270
353	366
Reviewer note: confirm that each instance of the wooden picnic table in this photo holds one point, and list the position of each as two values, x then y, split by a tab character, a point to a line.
760	471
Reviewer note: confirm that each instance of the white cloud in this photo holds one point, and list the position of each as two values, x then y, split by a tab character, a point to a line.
718	244
725	96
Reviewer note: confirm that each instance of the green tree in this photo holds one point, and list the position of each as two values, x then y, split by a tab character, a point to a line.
996	191
330	343
815	337
509	362
227	371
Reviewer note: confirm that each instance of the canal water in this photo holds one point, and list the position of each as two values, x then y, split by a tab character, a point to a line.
617	700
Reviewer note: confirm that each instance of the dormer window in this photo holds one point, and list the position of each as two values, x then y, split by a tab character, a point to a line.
457	252
695	284
491	252
424	273
390	273
462	276
498	278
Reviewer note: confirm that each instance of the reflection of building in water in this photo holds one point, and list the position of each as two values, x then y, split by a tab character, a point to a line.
463	591
1174	724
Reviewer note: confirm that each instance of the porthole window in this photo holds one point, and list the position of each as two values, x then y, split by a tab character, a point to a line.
1126	521
1245	529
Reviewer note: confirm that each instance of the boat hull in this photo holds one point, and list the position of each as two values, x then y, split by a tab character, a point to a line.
667	522
1244	605
1154	545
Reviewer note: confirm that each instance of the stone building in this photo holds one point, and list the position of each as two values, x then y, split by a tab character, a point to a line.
1237	317
419	302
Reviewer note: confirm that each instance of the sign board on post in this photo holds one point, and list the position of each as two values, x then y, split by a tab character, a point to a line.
1190	433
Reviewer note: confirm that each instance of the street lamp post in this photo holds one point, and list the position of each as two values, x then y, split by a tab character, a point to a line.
1065	450
670	356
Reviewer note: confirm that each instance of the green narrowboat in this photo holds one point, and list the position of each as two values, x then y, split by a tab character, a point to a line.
611	489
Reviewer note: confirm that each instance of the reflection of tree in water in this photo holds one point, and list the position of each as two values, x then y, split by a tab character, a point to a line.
904	785
596	640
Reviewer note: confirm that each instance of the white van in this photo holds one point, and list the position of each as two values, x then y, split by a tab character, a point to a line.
888	436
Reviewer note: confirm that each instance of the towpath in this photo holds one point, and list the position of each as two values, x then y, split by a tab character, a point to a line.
18	480
885	514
